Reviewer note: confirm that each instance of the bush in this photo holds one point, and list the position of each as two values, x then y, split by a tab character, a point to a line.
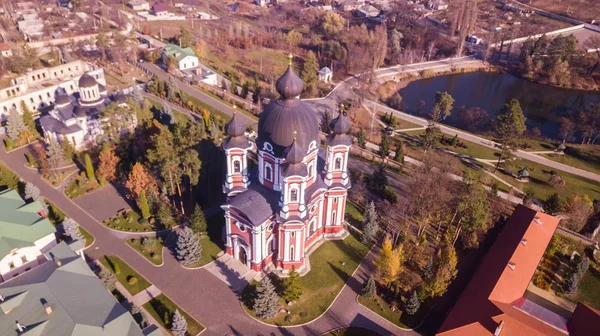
116	267
131	280
390	195
148	242
303	314
542	281
288	319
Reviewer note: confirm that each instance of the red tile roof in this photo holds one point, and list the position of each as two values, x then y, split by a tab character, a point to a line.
4	46
160	7
488	298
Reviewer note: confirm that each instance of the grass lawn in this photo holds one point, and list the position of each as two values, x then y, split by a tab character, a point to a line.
211	242
127	222
589	289
332	264
125	275
162	305
352	331
586	157
151	252
80	186
538	180
353	215
56	179
89	239
538	145
380	307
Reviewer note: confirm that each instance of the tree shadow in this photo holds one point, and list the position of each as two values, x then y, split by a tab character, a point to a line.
161	311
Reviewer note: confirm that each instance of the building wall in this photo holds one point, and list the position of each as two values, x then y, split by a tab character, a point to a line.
33	255
188	62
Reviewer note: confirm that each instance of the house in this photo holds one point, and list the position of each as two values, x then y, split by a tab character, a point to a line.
25	235
139	5
78	118
160	9
296	196
495	302
369	11
206	16
62	298
261	3
325	75
5	50
207	76
352	5
185	57
437	5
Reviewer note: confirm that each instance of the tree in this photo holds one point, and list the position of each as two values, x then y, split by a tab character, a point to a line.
432	133
266	304
89	168
188	248
443	106
553	204
293	38
331	23
384	147
389	262
116	119
139	316
413	304
107	165
578	210
360	138
107	278
198	221
557	181
29	121
200	49
167	115
399	154
71	229
186	38
178	324
15	125
369	288
325	122
292	288
309	72
445	268
68	150
139	179
377	48
427	272
473	209
32	192
144	207
571	283
370	225
510	125
379	179
55	155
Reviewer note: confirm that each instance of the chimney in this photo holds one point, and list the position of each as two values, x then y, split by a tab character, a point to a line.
48	308
20	327
499	329
1	298
538	220
42	213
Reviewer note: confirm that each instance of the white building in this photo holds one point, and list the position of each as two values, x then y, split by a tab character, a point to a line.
5	50
206	16
325	75
369	11
78	118
25	234
139	5
185	57
39	88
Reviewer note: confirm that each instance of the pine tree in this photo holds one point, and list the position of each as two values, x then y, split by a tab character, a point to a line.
266	304
68	150
15	125
428	270
71	229
198	221
370	225
413	304
309	72
292	290
188	248
107	278
571	283
399	155
55	155
139	316
32	192
167	114
369	288
384	147
325	123
144	207
454	140
89	168
179	324
137	95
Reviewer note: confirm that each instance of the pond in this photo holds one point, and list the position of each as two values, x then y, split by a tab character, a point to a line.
542	104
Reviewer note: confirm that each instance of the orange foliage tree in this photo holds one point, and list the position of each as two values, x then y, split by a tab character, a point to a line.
107	165
140	179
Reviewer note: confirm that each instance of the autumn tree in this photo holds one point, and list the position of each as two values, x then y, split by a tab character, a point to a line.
473	210
29	121
107	164
443	106
445	268
186	38
331	23
200	49
389	262
578	210
510	125
309	73
139	179
377	48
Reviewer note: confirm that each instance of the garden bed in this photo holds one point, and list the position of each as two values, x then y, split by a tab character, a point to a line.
89	239
150	247
128	221
55	179
125	274
80	186
332	264
162	306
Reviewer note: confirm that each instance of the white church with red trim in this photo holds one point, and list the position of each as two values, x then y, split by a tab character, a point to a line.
296	195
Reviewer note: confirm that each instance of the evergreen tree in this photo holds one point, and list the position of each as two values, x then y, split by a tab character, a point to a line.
107	278
510	125
198	221
266	304
413	304
309	73
15	125
292	289
399	155
553	204
370	225
167	115
68	150
379	179
360	138
326	122
32	192
137	95
71	229
369	288
55	155
28	120
454	140
384	147
89	168
188	248
139	316
428	270
144	207
571	283
179	324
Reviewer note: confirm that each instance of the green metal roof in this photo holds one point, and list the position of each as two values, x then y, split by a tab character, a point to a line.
177	52
20	223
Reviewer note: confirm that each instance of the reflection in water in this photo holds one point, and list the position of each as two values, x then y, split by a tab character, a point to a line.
542	104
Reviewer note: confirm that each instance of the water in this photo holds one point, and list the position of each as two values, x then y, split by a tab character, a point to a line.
542	104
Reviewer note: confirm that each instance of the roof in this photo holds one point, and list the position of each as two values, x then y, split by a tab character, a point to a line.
585	321
4	47
80	304
177	52
160	7
324	71
20	223
86	81
495	292
256	204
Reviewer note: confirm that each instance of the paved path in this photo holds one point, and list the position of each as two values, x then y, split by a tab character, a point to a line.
103	203
232	272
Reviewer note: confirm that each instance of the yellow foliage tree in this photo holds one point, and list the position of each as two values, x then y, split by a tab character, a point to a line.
139	179
200	49
389	262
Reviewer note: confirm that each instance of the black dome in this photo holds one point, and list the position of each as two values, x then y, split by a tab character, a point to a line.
235	127
87	81
80	111
62	99
294	154
340	125
289	85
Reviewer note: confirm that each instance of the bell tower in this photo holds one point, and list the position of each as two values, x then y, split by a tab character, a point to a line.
338	149
236	148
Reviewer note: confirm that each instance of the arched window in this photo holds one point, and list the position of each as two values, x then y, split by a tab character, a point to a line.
237	167
292	256
311	167
333	218
338	163
294	195
268	173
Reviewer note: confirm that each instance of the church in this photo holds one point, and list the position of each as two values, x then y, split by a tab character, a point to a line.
296	196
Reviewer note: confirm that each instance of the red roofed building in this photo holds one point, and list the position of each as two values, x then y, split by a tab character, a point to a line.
160	9
5	50
493	302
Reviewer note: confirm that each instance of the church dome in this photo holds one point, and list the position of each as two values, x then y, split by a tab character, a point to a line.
286	115
62	100
86	81
340	125
235	127
294	154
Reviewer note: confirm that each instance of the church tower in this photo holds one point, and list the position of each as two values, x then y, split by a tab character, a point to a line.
236	148
338	150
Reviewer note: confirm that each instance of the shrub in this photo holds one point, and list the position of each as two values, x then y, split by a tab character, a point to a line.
303	314
148	242
131	280
153	255
288	319
116	267
542	281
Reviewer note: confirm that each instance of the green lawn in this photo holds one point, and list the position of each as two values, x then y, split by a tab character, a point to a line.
589	289
538	145
332	264
89	239
55	179
211	242
80	186
152	253
161	304
381	308
125	274
352	331
128	222
538	181
353	215
586	157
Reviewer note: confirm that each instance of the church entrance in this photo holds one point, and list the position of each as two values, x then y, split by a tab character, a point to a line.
242	256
